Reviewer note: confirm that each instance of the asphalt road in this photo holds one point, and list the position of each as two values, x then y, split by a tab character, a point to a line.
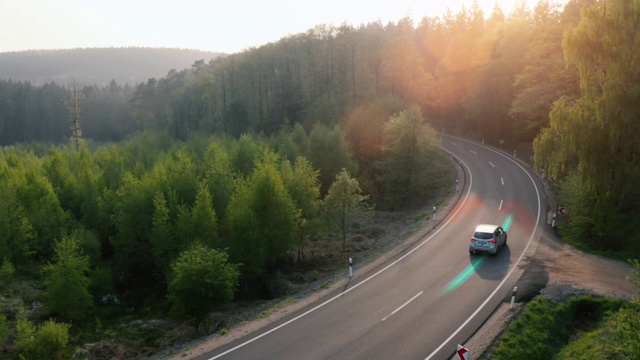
430	298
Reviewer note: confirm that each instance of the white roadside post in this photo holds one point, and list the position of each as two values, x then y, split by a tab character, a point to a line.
350	267
456	184
514	153
513	297
462	353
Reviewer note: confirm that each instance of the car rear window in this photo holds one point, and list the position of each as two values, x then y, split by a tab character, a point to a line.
482	235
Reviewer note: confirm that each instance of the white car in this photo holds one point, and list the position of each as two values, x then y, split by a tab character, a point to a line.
488	238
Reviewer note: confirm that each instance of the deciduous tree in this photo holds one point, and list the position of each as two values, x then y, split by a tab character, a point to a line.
344	203
67	293
202	279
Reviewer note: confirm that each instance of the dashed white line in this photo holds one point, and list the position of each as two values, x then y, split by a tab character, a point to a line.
403	305
490	163
500	208
502	180
473	152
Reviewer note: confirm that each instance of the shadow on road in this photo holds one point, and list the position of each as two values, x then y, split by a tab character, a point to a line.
494	267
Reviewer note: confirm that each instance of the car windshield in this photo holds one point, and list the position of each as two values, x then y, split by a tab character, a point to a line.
482	235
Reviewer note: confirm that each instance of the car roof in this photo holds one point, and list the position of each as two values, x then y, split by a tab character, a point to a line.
486	228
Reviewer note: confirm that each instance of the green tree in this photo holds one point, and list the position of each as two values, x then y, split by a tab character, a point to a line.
345	202
545	77
329	152
7	270
201	223
262	219
202	279
219	177
244	155
303	186
595	135
45	342
67	280
409	153
164	246
17	231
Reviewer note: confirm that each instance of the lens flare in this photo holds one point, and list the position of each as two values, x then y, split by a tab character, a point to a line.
475	264
506	224
463	276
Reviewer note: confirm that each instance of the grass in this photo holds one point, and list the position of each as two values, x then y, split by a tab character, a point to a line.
547	329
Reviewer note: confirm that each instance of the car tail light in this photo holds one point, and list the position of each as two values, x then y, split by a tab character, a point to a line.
472	239
493	241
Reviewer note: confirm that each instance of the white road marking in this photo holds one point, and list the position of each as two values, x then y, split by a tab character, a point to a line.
490	163
455	213
473	152
403	305
502	180
510	271
500	208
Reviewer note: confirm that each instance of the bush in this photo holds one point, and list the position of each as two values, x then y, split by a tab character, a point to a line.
546	326
51	340
6	272
202	279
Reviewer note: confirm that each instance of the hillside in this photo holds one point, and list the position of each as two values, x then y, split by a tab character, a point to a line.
97	65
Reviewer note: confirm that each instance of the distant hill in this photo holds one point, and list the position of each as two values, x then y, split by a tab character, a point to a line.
98	66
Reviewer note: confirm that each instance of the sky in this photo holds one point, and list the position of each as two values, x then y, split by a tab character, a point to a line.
227	26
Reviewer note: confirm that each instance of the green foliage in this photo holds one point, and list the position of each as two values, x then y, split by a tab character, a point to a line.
329	152
409	154
30	213
5	330
595	135
345	202
202	280
102	283
7	270
47	341
164	246
262	219
51	340
25	333
67	280
244	155
176	176
219	177
303	186
546	327
201	223
545	77
623	333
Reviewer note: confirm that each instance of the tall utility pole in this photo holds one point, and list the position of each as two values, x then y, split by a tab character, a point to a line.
72	99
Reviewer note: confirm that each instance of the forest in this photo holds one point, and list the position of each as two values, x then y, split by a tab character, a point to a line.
208	184
96	66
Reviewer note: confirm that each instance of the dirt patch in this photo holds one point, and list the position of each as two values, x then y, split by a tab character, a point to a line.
390	234
552	269
557	271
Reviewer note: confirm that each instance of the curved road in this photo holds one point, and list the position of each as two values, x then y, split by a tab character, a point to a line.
430	298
